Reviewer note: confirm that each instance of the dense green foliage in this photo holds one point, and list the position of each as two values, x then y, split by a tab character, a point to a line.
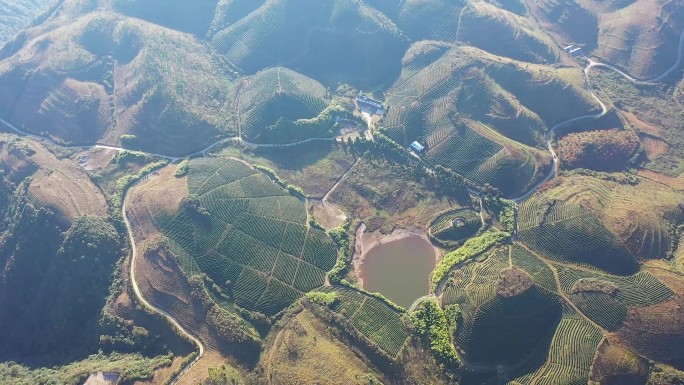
503	210
471	248
453	315
431	323
323	299
61	277
182	168
340	235
322	126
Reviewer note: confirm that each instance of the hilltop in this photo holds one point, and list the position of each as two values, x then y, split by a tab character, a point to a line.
110	79
321	39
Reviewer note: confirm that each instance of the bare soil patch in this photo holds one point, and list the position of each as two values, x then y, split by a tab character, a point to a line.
513	282
327	214
593	285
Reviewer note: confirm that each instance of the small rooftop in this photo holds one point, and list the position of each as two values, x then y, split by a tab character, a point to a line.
417	147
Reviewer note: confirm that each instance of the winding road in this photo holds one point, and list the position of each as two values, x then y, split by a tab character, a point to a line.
134	254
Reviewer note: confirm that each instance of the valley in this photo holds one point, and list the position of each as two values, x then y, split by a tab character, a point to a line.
545	265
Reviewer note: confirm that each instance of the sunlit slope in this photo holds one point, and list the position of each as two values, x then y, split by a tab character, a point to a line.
278	94
331	41
640	36
104	76
186	16
250	236
601	223
482	115
483	25
16	15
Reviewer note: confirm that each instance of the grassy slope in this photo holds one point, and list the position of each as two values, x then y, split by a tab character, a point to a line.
192	17
639	36
314	167
59	252
103	76
654	113
384	198
642	37
642	217
302	349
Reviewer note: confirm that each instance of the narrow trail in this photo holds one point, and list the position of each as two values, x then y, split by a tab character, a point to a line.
201	153
339	181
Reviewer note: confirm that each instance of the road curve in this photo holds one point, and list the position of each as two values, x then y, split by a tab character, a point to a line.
145	303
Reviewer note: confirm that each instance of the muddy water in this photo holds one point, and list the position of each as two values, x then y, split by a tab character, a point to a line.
399	269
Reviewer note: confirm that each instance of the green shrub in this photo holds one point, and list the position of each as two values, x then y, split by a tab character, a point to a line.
323	299
128	141
502	209
453	315
340	235
122	158
182	169
470	249
431	324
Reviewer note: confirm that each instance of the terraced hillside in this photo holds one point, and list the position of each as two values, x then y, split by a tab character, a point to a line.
274	101
438	104
104	76
455	225
16	16
506	313
380	324
250	236
548	342
637	220
481	23
322	39
606	299
641	36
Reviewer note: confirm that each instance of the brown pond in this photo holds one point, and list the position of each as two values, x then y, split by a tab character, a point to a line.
399	269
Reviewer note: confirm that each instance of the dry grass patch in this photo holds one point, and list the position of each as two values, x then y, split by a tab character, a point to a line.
327	214
161	191
383	198
57	183
304	351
